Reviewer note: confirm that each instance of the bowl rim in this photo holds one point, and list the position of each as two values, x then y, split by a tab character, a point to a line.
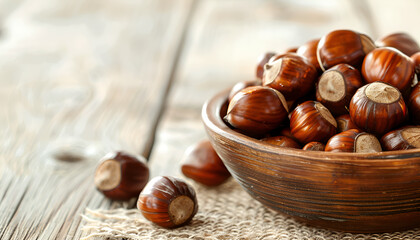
212	120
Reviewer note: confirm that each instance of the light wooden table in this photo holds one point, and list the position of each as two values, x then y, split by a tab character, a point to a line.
81	78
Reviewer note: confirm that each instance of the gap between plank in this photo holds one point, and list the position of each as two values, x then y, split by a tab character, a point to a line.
171	78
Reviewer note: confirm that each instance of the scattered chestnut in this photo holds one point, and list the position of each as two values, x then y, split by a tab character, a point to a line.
314	146
292	75
404	138
241	85
377	108
262	60
308	51
344	123
353	140
168	202
414	104
343	46
121	176
389	65
202	164
281	141
257	110
336	87
311	121
401	41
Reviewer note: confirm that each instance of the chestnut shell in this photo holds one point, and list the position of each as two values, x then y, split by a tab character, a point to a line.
155	200
257	110
292	75
390	66
307	124
374	117
202	164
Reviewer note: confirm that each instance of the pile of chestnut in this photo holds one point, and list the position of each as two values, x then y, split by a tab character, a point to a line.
340	93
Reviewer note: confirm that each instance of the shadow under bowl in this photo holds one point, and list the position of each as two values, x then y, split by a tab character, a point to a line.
352	192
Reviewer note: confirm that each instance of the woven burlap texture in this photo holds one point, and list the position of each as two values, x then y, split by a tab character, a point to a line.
225	212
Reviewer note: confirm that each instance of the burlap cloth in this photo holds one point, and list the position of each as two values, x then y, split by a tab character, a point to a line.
225	212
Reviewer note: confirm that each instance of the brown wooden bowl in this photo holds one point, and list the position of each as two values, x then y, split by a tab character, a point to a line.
353	192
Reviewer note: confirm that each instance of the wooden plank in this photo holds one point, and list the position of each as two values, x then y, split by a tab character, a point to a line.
79	78
223	43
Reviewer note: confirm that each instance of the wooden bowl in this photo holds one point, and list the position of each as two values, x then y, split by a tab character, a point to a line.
352	192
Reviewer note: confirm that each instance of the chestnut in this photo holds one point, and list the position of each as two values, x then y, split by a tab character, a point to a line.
377	108
202	164
291	74
336	87
404	138
168	202
401	41
121	176
413	103
416	59
308	51
281	141
257	110
353	140
262	60
241	85
389	65
344	123
314	146
311	121
343	46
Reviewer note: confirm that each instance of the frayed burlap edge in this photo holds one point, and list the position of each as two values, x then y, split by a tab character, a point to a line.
225	212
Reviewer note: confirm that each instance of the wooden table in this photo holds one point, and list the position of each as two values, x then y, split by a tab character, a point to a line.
82	78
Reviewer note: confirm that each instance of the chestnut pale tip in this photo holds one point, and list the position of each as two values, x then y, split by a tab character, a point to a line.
367	43
181	209
367	143
382	93
326	114
331	86
108	175
271	71
412	136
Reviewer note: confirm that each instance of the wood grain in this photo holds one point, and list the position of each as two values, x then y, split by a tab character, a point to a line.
78	79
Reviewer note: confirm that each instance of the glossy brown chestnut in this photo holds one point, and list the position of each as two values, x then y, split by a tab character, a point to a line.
343	46
281	141
312	122
121	176
414	105
407	137
308	51
344	123
377	108
262	60
257	110
168	202
202	164
353	141
389	65
416	59
314	146
401	41
242	85
336	87
291	74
